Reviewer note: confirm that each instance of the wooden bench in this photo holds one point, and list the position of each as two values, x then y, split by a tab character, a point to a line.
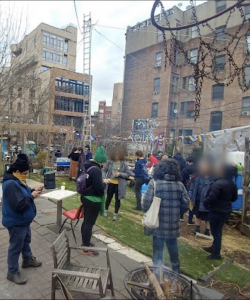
79	278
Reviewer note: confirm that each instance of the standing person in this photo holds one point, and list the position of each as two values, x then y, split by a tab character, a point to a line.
153	160
173	194
115	173
81	161
181	161
93	199
220	195
88	153
140	172
58	154
188	175
159	154
18	212
73	170
197	195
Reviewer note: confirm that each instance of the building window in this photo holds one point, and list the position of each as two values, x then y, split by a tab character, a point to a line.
101	111
100	116
185	133
175	84
187	108
159	36
158	59
68	86
157	82
248	43
220	33
219	63
154	110
246	106
65	61
176	56
194	32
86	89
216	120
186	57
220	5
108	117
53	56
247	12
69	104
53	41
173	110
46	54
66	46
45	38
59	43
247	75
19	106
194	56
217	91
172	133
32	94
31	108
20	92
191	84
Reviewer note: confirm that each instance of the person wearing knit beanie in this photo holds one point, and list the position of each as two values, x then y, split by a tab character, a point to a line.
100	155
18	211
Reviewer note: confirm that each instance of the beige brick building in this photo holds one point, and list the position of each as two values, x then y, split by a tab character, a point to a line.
44	87
117	104
168	95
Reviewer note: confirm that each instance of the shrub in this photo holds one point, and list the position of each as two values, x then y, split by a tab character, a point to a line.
41	158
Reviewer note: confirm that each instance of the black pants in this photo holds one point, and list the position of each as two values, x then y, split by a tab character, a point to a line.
217	221
91	211
113	190
138	185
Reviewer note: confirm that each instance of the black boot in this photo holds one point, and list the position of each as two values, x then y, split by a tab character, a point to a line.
208	249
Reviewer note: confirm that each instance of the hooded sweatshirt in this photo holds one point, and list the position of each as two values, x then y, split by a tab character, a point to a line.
181	161
140	170
18	207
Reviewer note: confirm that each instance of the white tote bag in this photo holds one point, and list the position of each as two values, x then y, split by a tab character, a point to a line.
151	217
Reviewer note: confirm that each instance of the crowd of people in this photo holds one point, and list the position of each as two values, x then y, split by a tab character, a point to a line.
203	188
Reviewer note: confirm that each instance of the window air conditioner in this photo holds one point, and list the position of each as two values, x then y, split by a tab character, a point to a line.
158	64
246	113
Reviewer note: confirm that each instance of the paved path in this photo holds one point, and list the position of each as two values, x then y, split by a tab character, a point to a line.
123	259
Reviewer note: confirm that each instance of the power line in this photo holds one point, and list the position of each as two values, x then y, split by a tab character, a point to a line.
77	17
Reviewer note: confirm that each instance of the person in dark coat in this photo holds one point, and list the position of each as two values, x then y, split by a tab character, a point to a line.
181	161
18	211
88	153
93	199
220	195
173	196
141	174
115	173
58	154
197	194
188	175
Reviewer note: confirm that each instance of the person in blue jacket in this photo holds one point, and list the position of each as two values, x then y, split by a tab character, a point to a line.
18	211
88	153
141	177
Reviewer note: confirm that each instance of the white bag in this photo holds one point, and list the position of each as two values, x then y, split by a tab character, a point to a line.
151	217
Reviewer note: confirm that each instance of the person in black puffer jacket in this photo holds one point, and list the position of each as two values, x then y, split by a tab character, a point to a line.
219	197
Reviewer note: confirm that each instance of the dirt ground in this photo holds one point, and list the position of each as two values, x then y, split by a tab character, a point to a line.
234	244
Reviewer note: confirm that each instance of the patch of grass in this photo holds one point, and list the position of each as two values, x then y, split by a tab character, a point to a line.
233	273
128	230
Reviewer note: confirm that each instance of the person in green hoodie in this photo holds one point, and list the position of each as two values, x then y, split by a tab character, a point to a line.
93	199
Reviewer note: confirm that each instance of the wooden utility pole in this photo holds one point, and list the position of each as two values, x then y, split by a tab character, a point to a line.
24	141
48	152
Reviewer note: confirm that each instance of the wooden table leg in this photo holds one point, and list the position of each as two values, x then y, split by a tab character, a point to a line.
59	213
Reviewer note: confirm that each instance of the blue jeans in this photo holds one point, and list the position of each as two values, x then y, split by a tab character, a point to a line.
217	220
158	246
190	216
20	238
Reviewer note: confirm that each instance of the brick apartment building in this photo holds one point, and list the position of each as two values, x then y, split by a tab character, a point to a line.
104	112
168	95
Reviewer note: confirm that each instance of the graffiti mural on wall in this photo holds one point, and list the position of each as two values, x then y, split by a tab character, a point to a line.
142	129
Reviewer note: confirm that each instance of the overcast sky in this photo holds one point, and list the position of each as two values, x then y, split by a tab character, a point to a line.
107	59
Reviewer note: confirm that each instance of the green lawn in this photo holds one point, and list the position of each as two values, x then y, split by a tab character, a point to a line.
128	230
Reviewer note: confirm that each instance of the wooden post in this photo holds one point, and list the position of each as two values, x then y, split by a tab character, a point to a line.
1	165
48	152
